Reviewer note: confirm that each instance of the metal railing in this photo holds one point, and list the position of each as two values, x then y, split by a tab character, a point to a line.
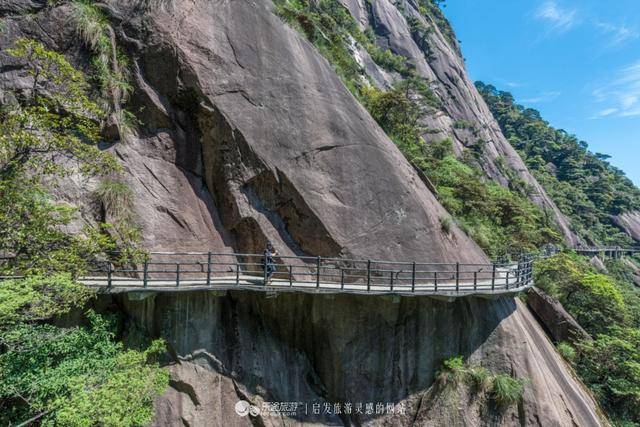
202	270
607	249
169	271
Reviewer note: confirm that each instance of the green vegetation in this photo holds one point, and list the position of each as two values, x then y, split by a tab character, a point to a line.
583	185
50	374
489	213
502	389
49	134
567	351
433	10
69	376
116	197
109	63
506	390
608	307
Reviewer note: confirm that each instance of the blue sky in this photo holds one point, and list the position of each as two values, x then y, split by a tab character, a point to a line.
577	62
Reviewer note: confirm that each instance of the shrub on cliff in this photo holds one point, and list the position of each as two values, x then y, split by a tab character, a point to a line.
500	388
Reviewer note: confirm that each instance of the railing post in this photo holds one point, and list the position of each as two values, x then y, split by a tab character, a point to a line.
413	277
109	275
435	281
177	274
507	279
145	273
318	261
475	280
493	277
290	276
342	278
264	272
391	279
209	269
368	275
237	274
457	277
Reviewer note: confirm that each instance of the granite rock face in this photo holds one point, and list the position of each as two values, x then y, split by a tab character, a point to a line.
327	349
630	223
286	152
248	135
557	321
463	116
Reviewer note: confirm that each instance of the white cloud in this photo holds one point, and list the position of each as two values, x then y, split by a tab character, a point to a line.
604	113
547	96
560	19
622	94
618	33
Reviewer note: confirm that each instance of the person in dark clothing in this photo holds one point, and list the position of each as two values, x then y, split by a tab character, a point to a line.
268	263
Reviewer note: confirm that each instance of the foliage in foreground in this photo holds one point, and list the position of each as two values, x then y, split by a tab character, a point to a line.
502	389
608	307
71	376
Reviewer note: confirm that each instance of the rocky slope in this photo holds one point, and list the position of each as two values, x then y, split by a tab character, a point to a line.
463	115
317	349
630	223
249	135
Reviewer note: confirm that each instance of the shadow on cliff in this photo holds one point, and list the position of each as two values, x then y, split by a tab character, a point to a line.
295	347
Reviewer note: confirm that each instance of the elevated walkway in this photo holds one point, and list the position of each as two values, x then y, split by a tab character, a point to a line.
191	271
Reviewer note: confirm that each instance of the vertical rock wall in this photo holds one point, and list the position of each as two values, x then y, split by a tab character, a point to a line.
315	348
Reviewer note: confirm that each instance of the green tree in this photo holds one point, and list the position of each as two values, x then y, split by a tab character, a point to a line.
584	185
608	307
55	375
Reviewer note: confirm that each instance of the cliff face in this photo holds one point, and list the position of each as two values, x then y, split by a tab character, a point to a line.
317	349
630	223
463	115
260	118
249	135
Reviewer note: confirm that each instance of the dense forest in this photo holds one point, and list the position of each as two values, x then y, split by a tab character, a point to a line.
607	305
584	185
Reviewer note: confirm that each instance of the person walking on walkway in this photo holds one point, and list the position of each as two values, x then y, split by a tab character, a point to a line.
268	263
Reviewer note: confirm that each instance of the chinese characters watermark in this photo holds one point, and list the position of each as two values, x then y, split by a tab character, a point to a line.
293	409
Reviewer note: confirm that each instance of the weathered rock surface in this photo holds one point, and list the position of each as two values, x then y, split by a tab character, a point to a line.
630	223
249	135
598	264
464	116
636	270
313	348
11	7
288	154
557	321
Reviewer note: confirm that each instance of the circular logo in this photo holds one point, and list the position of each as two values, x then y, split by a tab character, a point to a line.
242	408
254	411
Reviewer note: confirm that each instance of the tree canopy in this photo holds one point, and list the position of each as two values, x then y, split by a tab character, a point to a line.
80	375
584	185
